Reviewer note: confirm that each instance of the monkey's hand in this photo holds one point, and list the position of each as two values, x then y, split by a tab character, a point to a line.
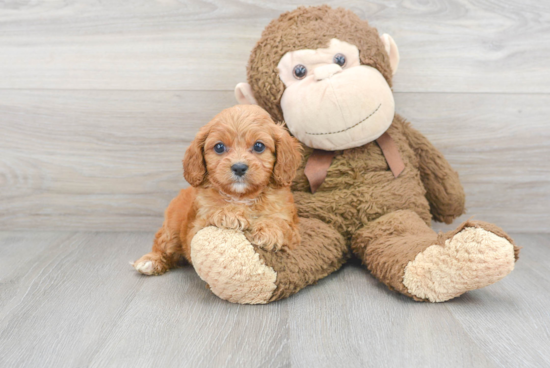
443	189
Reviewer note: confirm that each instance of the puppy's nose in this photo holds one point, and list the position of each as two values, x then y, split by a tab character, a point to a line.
239	169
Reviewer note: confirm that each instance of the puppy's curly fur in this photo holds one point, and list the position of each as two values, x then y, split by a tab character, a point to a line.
259	203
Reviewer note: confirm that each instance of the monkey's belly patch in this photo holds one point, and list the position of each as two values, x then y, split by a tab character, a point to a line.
227	261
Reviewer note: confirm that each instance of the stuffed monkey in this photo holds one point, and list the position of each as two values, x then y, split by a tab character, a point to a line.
369	184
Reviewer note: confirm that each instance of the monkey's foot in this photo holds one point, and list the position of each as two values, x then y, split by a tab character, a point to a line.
226	260
240	272
471	259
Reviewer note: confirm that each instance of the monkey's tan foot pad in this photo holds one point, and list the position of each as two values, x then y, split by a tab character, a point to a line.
473	258
227	262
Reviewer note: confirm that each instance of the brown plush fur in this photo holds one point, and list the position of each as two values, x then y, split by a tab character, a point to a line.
384	220
389	243
262	205
322	251
359	187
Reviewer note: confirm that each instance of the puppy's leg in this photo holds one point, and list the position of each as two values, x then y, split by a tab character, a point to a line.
165	254
292	236
168	250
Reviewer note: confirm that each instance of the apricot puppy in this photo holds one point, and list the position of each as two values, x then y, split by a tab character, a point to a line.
240	167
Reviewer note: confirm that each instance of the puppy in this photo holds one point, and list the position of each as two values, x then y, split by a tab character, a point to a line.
240	167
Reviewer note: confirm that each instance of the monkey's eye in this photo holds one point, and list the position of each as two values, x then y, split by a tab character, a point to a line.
339	59
259	147
299	71
219	148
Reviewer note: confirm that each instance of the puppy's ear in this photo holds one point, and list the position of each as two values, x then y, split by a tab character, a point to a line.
194	166
289	156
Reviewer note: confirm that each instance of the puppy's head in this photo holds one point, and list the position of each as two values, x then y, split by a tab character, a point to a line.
241	151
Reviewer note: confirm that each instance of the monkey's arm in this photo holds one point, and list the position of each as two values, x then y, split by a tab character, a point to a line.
443	189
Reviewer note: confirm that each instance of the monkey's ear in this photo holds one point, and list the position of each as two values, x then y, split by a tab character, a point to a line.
243	94
391	50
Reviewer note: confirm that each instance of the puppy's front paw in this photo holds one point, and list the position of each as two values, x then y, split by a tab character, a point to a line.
230	220
266	237
149	265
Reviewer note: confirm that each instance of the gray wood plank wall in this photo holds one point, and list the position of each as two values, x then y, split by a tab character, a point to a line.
99	100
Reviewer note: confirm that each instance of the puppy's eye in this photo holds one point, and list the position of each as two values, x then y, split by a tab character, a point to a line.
219	148
299	71
339	59
259	147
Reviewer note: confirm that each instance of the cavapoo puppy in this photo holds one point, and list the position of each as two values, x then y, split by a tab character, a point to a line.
240	167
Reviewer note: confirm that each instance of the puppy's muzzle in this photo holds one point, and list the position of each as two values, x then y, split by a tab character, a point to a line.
239	169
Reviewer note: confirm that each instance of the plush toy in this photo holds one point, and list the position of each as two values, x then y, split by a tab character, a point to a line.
369	184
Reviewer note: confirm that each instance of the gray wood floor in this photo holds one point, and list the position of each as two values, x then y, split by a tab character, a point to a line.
72	300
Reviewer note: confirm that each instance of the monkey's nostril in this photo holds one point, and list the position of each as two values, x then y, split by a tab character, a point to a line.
239	169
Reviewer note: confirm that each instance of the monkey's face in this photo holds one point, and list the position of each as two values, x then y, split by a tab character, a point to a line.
331	101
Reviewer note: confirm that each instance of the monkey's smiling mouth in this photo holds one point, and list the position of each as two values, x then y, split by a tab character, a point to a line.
351	127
